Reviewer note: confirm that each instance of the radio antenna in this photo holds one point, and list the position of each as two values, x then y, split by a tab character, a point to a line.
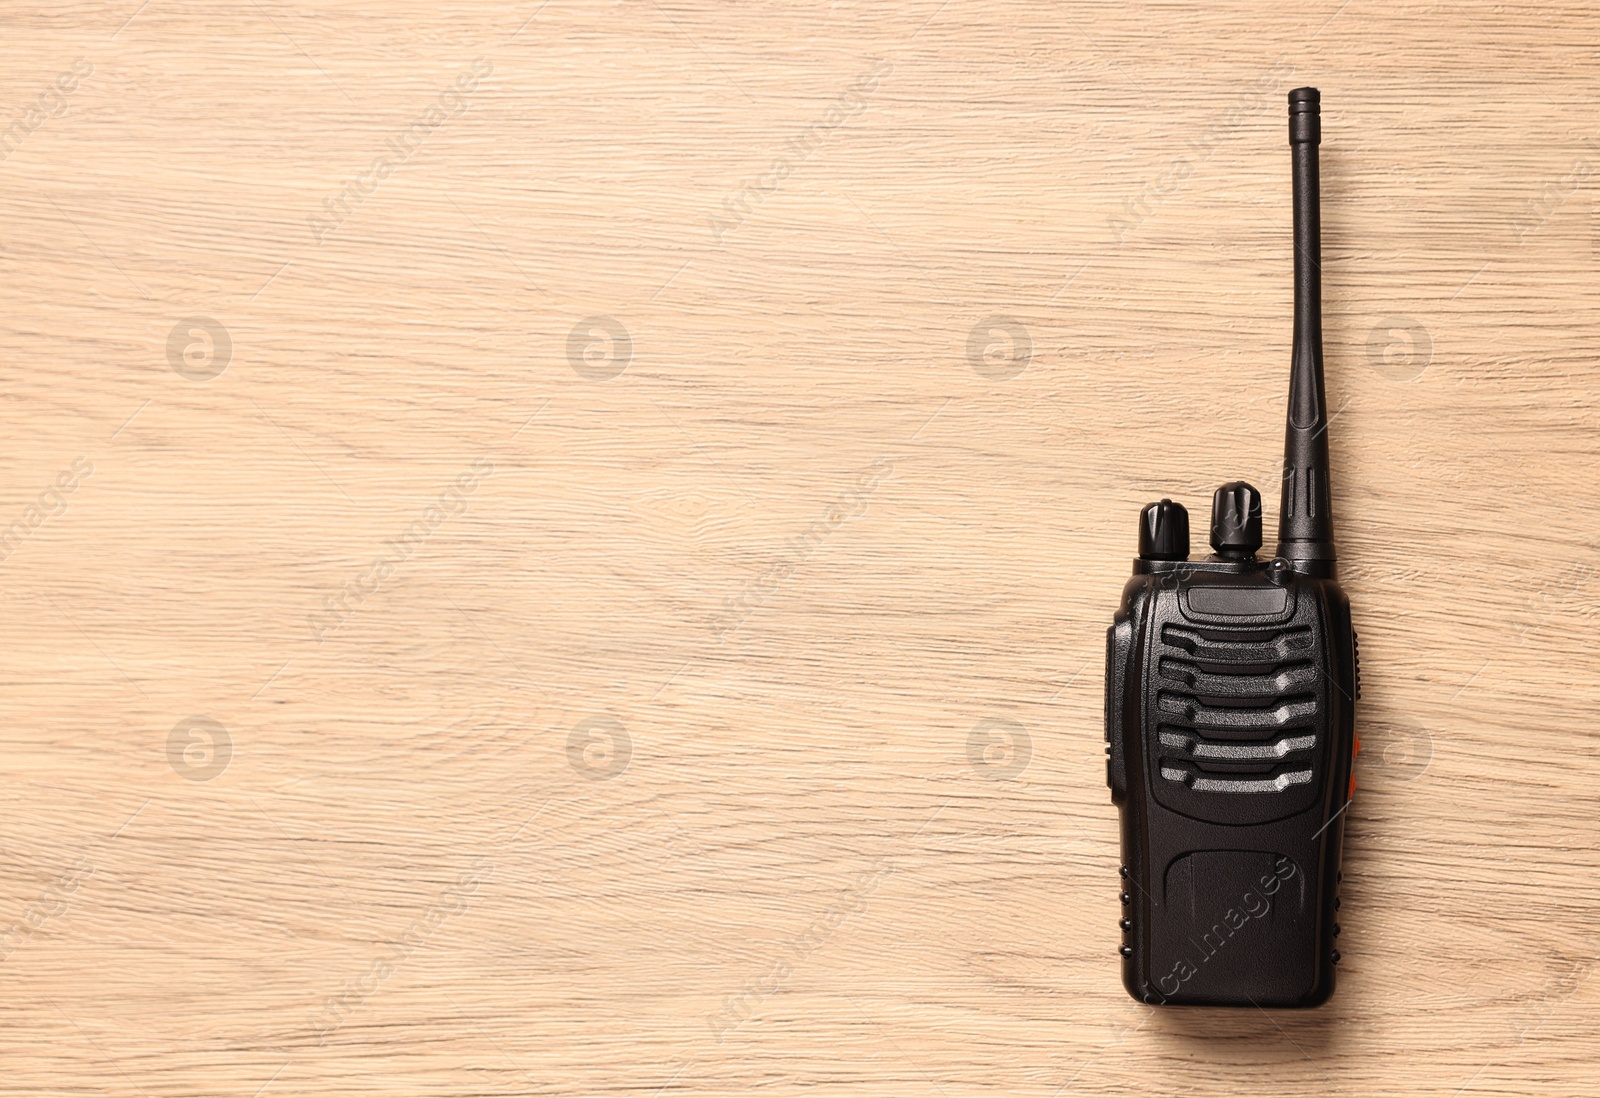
1305	520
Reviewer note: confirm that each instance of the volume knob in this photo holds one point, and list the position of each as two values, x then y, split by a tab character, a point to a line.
1164	531
1236	521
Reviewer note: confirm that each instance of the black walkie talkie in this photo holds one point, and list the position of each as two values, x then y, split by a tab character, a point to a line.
1230	710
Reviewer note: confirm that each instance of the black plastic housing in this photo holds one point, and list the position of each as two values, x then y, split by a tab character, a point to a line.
1230	690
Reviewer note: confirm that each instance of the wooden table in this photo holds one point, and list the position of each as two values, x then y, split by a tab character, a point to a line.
564	548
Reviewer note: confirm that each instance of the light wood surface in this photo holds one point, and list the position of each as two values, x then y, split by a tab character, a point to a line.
653	597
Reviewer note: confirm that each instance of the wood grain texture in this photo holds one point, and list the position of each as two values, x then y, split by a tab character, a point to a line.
657	444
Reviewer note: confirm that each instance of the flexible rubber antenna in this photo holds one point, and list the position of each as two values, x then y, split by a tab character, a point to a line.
1305	520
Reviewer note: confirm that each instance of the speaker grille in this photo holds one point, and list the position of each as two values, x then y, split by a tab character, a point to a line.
1237	708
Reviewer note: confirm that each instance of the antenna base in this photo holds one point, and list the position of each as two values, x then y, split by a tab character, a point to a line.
1310	558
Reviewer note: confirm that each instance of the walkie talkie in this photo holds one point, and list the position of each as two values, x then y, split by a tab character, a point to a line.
1230	709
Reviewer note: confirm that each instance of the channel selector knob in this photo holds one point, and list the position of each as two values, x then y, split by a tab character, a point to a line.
1164	531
